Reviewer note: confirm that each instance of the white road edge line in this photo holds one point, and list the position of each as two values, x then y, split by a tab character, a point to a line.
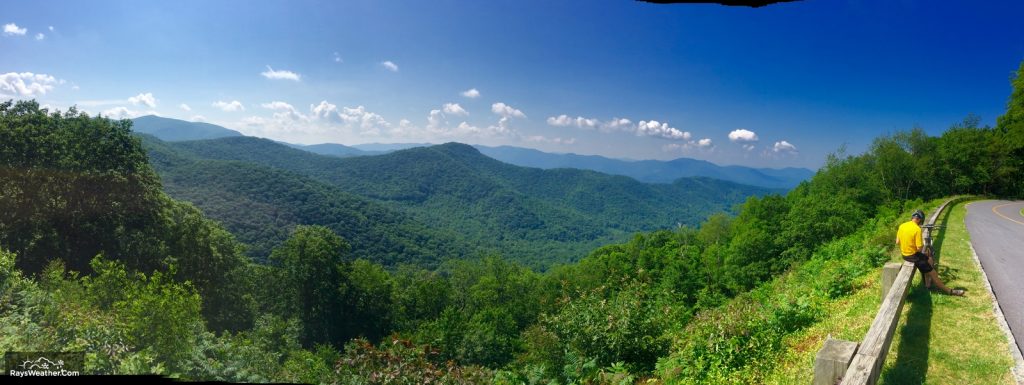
1018	368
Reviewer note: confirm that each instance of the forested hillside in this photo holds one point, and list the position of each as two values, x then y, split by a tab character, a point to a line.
537	217
261	205
97	258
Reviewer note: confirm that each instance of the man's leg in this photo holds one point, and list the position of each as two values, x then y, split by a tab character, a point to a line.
933	276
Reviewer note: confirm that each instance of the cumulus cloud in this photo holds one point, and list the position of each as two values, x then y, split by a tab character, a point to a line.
146	98
389	65
435	120
369	123
27	84
579	121
51	28
198	118
742	135
618	124
471	93
506	111
11	29
560	121
122	112
184	107
325	111
784	147
661	130
284	111
704	143
270	73
231	106
454	109
644	128
40	36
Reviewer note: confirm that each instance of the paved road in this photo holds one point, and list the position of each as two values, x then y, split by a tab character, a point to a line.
997	234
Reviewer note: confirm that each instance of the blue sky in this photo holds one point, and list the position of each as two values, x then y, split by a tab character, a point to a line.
777	86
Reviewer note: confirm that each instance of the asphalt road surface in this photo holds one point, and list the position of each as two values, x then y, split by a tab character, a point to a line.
997	234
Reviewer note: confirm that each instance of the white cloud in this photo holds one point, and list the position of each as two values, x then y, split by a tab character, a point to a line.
270	73
11	29
784	147
337	58
122	112
618	124
40	36
51	28
325	111
661	130
704	143
285	111
579	121
742	135
506	111
231	106
275	105
27	84
198	118
184	107
369	123
471	93
749	147
435	120
146	98
390	65
504	127
454	109
560	121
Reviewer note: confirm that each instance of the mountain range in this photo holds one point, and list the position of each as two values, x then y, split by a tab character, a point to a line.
652	171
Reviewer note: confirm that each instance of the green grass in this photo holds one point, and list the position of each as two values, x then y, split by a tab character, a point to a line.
948	340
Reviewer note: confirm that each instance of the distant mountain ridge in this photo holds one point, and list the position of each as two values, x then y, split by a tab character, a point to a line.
168	129
649	171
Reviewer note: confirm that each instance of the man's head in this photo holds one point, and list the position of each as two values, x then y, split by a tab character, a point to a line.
917	216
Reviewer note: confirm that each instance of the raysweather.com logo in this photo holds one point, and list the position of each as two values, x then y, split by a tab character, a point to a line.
32	364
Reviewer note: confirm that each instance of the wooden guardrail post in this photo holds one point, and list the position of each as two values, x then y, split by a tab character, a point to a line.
889	273
833	360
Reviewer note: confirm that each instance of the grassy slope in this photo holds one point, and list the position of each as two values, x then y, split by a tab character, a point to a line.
951	338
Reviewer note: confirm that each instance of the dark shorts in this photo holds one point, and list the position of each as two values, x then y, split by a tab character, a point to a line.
920	261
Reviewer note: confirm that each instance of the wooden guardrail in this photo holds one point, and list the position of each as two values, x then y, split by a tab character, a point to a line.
860	364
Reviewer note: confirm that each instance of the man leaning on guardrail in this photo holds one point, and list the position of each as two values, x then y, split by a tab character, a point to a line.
909	238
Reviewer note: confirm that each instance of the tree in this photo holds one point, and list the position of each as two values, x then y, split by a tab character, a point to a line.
312	263
72	187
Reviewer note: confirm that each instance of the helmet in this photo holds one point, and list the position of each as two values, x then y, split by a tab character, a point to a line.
918	214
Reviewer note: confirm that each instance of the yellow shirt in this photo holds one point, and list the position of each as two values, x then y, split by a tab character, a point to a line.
909	237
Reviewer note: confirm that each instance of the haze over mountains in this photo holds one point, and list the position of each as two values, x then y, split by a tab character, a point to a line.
651	171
